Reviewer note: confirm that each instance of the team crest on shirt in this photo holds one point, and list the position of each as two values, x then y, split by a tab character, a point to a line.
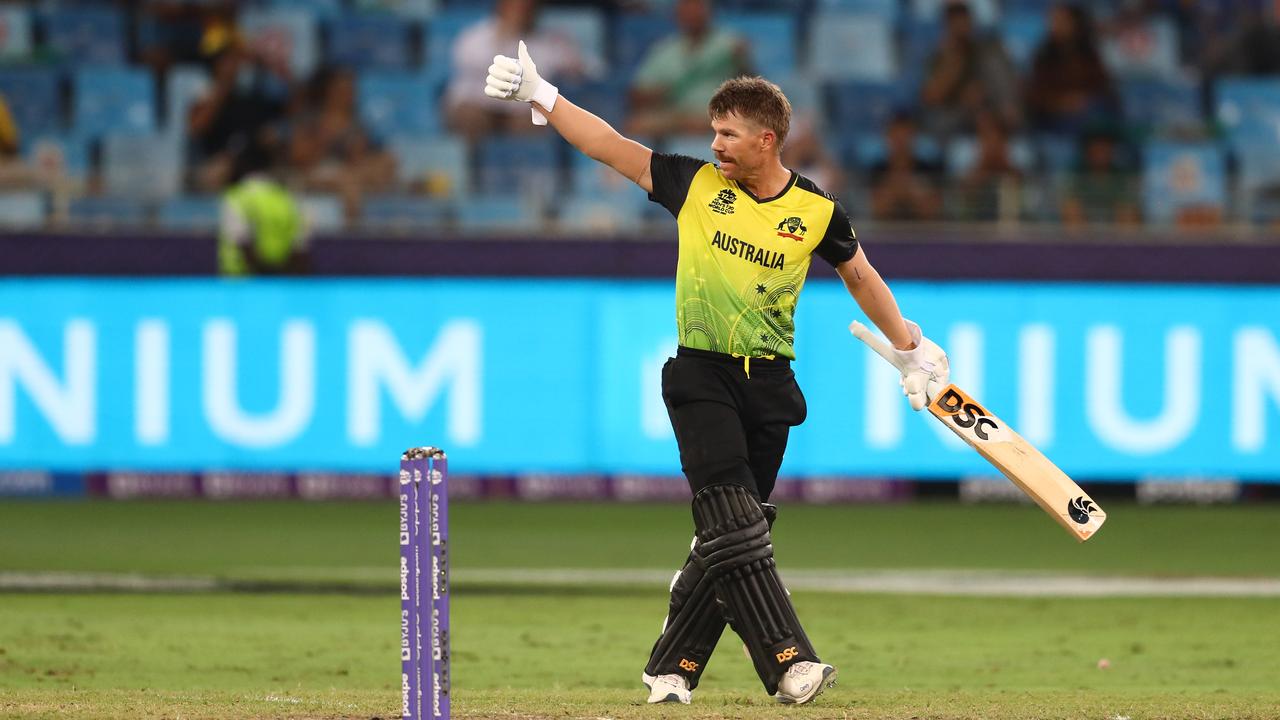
792	227
723	202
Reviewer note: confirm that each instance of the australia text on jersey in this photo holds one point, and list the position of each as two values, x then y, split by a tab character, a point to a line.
747	251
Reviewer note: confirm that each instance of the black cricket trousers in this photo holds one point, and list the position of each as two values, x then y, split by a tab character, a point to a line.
731	417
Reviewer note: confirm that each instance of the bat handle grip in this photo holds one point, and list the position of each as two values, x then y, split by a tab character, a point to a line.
873	341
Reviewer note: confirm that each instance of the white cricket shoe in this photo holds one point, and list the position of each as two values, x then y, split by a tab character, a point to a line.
803	681
667	688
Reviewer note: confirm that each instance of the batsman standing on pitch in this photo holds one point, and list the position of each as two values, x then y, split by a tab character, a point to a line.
747	231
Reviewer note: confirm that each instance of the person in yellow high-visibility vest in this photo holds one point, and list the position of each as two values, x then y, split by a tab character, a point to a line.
262	231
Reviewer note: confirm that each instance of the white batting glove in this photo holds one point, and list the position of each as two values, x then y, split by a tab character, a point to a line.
517	79
925	368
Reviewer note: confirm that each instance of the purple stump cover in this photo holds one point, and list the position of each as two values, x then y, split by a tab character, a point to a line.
409	574
439	535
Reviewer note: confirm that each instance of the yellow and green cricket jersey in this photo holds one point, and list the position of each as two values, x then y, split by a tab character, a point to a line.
743	259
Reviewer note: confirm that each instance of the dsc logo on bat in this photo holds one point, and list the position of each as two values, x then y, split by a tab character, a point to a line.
966	413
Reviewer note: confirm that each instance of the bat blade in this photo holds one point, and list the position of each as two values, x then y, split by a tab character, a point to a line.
1020	461
1010	453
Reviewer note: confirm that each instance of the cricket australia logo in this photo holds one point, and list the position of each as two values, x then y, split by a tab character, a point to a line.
723	202
1080	509
792	227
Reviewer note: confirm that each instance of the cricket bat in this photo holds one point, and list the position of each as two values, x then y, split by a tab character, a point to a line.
1019	460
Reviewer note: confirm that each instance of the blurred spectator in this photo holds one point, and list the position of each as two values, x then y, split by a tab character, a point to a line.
990	189
1069	86
1102	190
171	31
246	104
262	230
472	113
1244	42
679	74
903	186
14	171
968	74
805	153
328	148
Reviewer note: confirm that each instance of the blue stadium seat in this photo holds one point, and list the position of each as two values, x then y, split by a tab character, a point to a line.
190	212
108	211
370	41
401	212
436	165
147	166
416	10
444	28
113	99
599	215
1161	104
323	213
592	179
1057	154
633	35
1149	51
21	209
32	96
695	146
55	153
606	99
962	153
1249	109
870	148
887	9
325	9
863	43
86	36
522	165
585	26
773	38
497	213
184	84
1178	177
15	33
398	103
1021	33
1258	175
858	106
291	32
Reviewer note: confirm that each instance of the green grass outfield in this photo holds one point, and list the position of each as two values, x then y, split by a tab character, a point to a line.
321	643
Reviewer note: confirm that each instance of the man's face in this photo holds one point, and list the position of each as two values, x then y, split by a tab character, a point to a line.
959	25
693	16
737	145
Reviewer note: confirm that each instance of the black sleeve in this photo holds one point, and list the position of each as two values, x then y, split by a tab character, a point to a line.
840	243
672	175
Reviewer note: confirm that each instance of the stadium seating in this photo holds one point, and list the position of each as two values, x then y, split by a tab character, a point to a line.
436	165
105	211
323	213
397	103
108	99
862	106
21	209
85	36
601	215
1249	109
146	166
398	212
696	146
369	41
444	28
1151	103
189	212
1021	33
1180	179
584	26
633	35
508	164
985	12
184	85
497	214
33	98
15	33
55	154
772	37
863	43
962	153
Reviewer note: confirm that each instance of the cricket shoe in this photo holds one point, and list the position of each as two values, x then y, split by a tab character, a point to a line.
667	688
803	681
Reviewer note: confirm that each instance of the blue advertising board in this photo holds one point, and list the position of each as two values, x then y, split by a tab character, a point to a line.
1111	381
